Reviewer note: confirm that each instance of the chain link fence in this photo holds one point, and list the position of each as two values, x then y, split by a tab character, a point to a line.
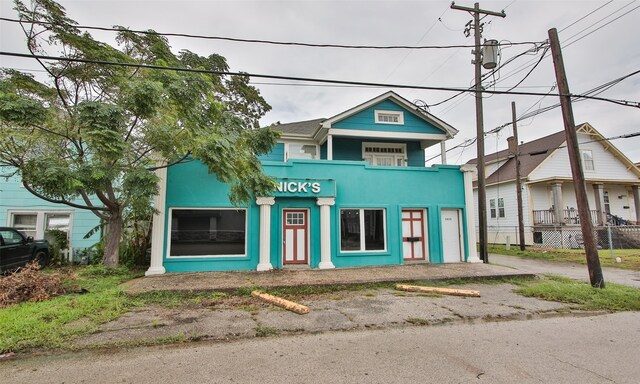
561	237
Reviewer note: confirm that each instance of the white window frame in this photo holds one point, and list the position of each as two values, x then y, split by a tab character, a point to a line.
493	213
170	225
287	151
587	164
398	114
363	248
501	211
41	216
399	158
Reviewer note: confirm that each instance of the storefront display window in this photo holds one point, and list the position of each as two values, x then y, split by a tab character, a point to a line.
208	232
362	230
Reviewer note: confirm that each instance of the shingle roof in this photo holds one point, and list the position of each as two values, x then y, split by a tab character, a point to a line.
531	155
300	128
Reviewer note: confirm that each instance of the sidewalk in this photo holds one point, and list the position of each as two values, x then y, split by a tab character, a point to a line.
233	317
204	281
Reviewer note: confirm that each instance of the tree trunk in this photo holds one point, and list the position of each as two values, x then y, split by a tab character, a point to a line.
112	244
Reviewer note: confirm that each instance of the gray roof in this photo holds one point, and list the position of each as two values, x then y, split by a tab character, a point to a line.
299	128
531	155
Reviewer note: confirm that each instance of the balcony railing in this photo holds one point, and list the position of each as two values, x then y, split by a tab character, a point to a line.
569	216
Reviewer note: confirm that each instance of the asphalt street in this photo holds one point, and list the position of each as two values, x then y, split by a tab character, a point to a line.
572	270
595	349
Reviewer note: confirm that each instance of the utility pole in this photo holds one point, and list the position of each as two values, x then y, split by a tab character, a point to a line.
593	261
516	153
482	193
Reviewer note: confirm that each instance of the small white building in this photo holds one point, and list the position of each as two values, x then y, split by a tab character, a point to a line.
548	194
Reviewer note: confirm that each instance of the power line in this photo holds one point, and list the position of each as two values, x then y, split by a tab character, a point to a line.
304	79
254	41
597	90
585	16
418	42
603	25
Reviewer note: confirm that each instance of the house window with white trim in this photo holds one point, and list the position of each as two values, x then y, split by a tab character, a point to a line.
362	230
25	223
385	154
587	160
42	224
301	151
389	117
208	232
499	212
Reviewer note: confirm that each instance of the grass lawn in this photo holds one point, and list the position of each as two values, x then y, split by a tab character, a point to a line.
614	297
55	323
630	257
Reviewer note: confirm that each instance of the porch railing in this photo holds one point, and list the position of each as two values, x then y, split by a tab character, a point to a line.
569	216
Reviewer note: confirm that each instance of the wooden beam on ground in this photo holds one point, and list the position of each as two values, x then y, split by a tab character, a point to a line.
443	291
282	303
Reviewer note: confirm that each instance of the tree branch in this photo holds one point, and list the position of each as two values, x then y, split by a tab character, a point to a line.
105	200
33	192
133	125
180	160
89	203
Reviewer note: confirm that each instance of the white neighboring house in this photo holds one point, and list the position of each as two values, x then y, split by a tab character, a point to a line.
549	201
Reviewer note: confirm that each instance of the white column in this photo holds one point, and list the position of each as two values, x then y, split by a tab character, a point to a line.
558	213
329	147
443	152
265	204
325	204
158	231
636	201
598	191
469	171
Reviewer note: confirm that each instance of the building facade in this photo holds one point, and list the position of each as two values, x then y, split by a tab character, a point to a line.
38	218
353	190
548	193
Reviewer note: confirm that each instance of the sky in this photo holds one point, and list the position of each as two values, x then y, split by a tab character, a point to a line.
599	40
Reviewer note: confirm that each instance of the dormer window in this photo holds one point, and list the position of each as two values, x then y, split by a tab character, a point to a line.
389	117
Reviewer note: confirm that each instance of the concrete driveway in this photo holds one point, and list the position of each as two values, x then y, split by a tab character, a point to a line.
572	270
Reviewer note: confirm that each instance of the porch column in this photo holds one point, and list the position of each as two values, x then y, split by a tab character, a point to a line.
558	217
636	201
443	152
265	204
329	147
158	231
469	171
598	190
325	204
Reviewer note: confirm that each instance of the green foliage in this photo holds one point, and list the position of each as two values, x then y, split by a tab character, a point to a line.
55	322
262	331
58	241
630	257
614	297
93	133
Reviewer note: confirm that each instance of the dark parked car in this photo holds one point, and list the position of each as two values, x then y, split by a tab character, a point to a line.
17	250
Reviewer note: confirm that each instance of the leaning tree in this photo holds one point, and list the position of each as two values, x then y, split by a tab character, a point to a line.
91	133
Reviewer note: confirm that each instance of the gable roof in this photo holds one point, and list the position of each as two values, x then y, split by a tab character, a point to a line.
305	128
535	152
532	154
318	128
406	104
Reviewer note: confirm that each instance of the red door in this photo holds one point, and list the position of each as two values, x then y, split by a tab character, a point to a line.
413	241
295	243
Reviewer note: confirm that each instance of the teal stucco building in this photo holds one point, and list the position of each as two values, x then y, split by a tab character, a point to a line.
353	190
